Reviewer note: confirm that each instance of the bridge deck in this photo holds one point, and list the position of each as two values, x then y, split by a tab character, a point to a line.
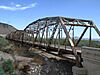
54	55
53	52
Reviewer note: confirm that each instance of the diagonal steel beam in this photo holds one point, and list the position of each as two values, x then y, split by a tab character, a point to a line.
78	62
67	33
97	30
54	30
37	32
81	36
43	33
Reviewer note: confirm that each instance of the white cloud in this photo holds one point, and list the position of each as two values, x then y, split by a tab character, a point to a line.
17	7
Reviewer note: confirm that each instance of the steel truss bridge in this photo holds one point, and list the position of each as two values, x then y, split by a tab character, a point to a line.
56	34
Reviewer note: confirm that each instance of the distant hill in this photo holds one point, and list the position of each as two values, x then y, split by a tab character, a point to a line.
6	29
96	39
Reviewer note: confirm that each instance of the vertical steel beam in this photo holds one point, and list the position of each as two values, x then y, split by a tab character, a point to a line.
59	40
33	37
47	33
37	32
73	35
42	35
90	37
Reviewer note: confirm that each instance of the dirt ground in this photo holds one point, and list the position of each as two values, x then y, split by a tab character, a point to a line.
39	65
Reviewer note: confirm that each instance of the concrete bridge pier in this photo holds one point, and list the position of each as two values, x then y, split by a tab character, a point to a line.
91	62
79	71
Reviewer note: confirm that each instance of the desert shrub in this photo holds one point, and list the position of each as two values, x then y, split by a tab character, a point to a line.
94	43
2	72
83	43
5	45
3	42
8	67
8	49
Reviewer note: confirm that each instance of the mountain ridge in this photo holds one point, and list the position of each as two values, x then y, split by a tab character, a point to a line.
6	29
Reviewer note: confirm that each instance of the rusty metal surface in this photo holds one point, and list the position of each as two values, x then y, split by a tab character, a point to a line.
54	32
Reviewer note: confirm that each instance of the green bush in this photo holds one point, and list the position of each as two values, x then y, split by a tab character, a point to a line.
7	49
3	42
2	72
5	45
8	67
94	43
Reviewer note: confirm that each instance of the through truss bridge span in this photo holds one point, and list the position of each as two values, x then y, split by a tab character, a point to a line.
59	34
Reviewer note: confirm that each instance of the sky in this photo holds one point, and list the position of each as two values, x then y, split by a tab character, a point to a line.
20	13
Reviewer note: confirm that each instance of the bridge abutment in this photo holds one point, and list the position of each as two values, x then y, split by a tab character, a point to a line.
91	62
79	71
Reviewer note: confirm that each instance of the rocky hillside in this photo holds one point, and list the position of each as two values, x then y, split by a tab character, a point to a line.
6	29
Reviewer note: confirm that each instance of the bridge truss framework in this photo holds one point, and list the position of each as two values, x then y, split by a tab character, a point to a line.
54	32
